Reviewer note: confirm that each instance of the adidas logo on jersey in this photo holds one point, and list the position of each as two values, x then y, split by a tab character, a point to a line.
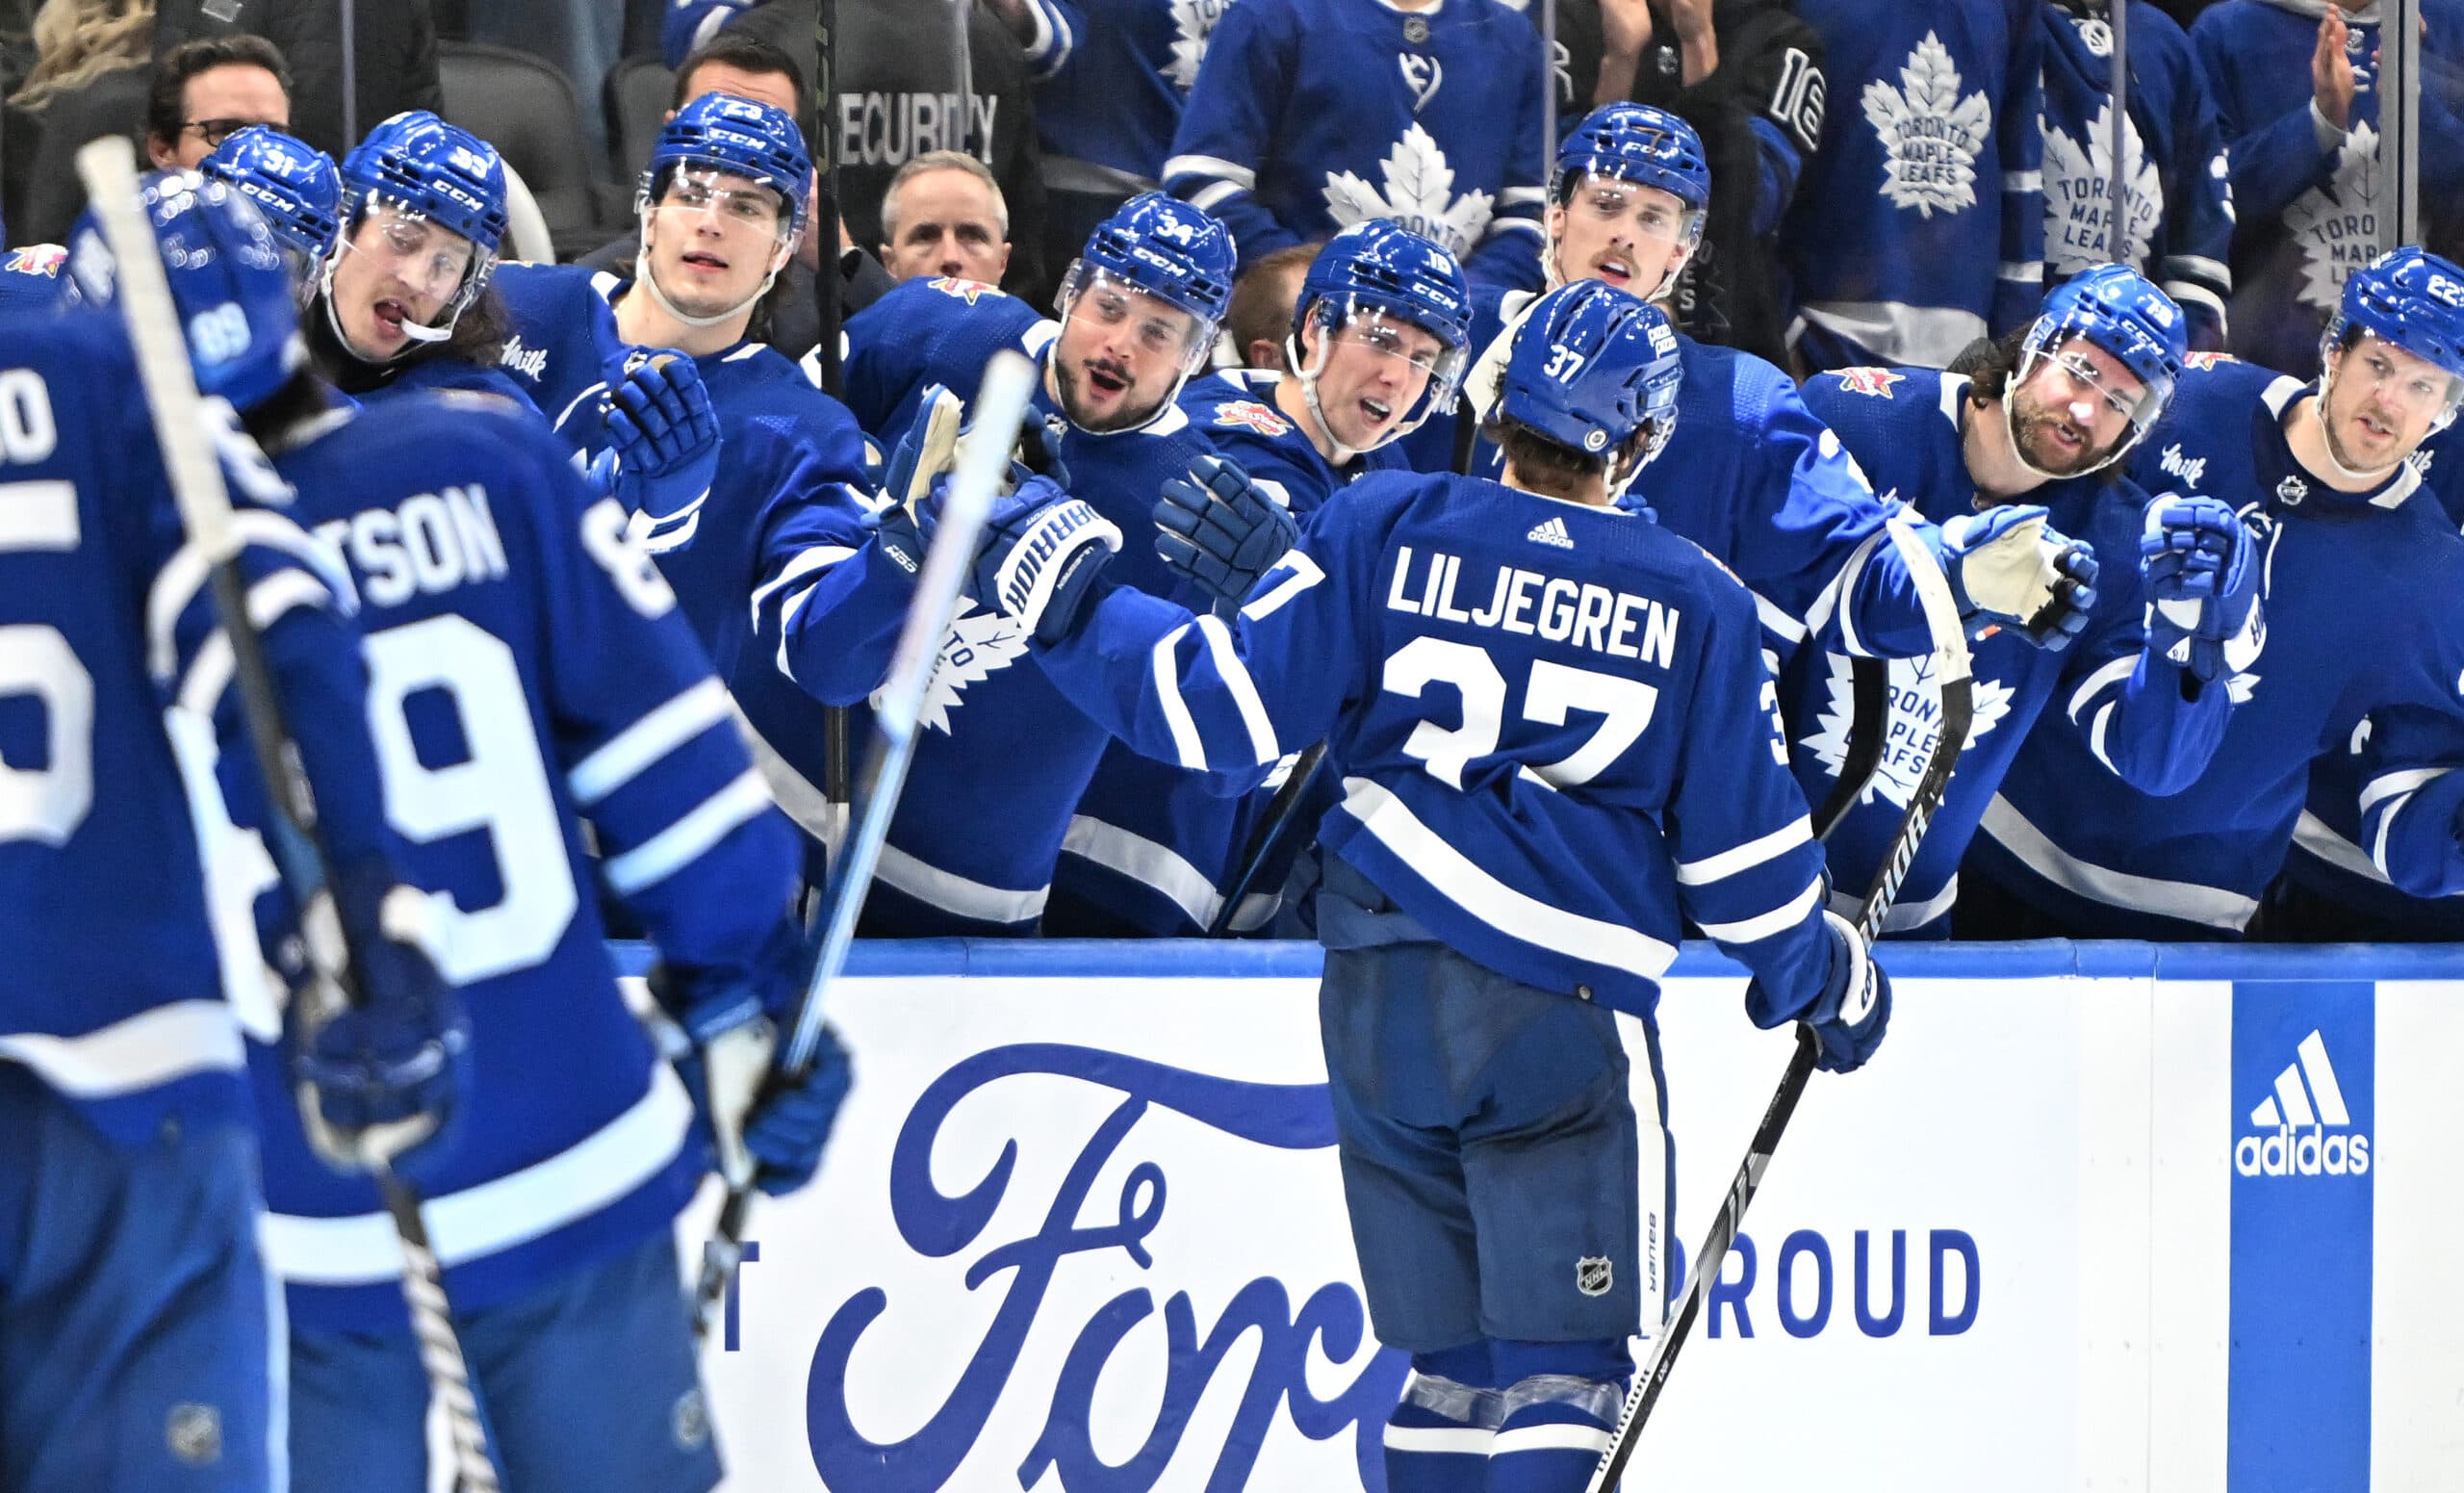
2296	1123
1552	532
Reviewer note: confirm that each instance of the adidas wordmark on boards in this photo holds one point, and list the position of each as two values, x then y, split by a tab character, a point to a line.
2298	1142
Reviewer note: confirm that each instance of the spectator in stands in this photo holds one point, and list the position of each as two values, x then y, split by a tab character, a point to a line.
391	66
2296	88
1309	115
1748	75
943	216
1919	226
1263	302
86	84
2180	204
742	65
1111	79
203	92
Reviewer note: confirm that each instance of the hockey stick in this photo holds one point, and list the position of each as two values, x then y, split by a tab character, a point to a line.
1868	723
1281	810
984	459
1951	669
108	167
836	786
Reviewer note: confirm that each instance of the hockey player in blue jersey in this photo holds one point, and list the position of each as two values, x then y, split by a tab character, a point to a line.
402	299
744	510
2180	208
1312	115
137	1312
974	846
1919	224
2169	614
294	185
2359	573
1556	742
1748	475
2295	86
529	671
1379	337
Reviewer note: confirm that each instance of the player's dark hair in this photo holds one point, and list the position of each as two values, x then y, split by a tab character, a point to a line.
1991	366
1543	465
1263	298
269	422
167	92
742	52
481	332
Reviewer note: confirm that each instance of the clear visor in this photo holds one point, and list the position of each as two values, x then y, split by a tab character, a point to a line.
1158	327
2405	382
1612	203
431	260
1393	358
2076	376
736	201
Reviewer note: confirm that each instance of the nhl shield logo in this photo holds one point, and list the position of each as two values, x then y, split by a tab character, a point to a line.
1594	1274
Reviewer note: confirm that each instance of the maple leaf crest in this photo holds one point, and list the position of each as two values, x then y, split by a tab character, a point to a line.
1192	21
1915	721
2078	183
1929	134
2337	223
979	644
1419	195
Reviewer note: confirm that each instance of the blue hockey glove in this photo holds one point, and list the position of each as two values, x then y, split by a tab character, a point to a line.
2008	568
791	1123
661	425
760	1131
1221	529
1855	1007
381	1082
2202	571
1040	557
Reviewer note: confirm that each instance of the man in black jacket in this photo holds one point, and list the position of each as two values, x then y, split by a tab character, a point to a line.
393	57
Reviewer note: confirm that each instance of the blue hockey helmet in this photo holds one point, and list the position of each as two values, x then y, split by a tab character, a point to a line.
1635	142
1379	268
2120	312
294	184
1163	247
439	171
2410	299
1590	366
742	137
231	286
691	24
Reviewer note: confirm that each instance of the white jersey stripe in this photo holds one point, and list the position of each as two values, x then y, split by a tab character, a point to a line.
660	731
682	843
1746	856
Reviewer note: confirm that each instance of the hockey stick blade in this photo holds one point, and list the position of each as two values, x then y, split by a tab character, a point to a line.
1281	810
983	460
108	170
1952	670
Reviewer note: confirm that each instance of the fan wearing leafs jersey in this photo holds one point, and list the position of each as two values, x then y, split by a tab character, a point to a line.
2359	574
2166	613
1556	743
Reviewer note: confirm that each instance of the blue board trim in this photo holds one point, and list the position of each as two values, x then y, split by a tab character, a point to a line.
1165	959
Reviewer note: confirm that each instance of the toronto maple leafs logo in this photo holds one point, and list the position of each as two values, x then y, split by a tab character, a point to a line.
1193	22
1871	382
1930	134
1915	721
2337	222
2078	182
1419	195
979	644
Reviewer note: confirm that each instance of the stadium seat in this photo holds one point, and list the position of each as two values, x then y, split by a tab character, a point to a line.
637	94
525	108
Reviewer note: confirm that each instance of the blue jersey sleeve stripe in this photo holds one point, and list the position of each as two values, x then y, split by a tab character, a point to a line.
2389	784
655	734
1149	862
2386	824
153	1047
684	842
1243	689
40	515
1780	919
599	1170
973	900
183	576
1752	853
2022	182
1827	603
1509	912
2187	902
201	685
1048	42
808	560
1187	744
2114	673
1212	168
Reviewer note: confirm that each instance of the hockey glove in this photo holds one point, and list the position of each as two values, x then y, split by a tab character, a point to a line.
663	430
762	1131
1221	529
380	1083
2008	568
1039	557
1848	1021
2202	571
